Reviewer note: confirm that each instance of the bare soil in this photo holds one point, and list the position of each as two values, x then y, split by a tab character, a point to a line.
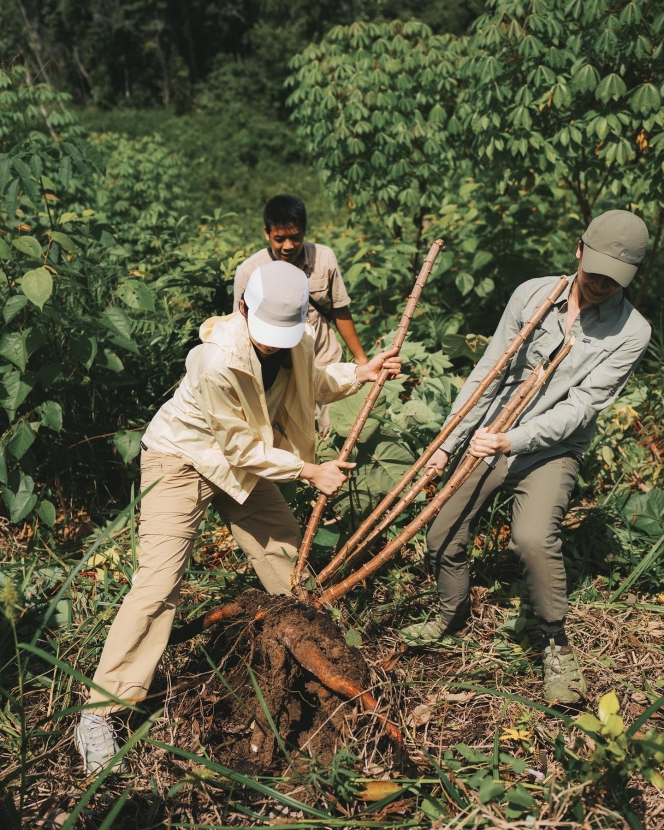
259	686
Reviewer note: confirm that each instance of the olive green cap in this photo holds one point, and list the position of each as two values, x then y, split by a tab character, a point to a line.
614	245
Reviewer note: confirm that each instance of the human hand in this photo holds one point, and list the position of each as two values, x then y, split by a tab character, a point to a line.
438	461
327	477
486	443
385	360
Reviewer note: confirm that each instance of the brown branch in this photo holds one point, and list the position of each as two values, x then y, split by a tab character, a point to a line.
508	416
444	434
361	419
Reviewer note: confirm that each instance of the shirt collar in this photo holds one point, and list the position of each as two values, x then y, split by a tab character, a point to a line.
604	309
303	262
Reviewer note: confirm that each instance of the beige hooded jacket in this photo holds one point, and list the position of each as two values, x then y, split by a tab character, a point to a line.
218	417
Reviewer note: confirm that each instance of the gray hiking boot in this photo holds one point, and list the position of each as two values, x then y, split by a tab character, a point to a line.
426	633
563	679
96	741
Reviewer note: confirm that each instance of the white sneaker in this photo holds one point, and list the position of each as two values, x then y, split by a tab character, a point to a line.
96	741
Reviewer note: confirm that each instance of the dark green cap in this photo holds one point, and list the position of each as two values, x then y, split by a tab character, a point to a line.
614	245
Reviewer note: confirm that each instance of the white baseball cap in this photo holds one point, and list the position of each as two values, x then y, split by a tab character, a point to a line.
277	301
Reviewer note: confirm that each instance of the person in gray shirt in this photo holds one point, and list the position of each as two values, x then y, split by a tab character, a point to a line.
538	459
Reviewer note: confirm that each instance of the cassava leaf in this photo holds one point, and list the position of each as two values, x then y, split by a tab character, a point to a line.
28	245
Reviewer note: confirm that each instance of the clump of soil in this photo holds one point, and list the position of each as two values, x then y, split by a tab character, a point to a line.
255	650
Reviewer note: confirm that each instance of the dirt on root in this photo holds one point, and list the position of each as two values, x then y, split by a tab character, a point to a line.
258	680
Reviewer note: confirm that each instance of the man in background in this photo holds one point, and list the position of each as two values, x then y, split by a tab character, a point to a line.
285	227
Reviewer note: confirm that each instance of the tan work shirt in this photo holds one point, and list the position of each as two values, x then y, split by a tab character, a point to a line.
326	288
221	421
611	338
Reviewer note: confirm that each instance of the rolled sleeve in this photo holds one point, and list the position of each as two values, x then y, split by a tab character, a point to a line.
601	387
334	382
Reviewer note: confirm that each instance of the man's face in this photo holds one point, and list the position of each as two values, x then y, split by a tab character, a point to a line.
595	288
286	242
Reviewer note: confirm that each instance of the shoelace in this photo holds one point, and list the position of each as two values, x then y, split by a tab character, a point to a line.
101	733
558	659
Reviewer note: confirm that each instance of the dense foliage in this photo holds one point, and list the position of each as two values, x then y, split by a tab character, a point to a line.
152	52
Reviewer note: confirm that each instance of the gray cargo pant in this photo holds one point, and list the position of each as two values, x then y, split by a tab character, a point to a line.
541	497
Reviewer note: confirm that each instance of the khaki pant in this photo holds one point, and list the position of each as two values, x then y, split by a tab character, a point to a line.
171	512
541	497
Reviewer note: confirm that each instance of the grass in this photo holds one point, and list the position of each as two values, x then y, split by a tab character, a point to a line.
483	750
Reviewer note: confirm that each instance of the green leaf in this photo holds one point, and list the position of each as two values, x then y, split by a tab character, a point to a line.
518	765
22	168
136	294
21	438
36	166
472	755
128	444
5	172
116	319
3	464
37	286
485	287
83	349
66	241
65	171
353	638
13	306
610	87
464	282
518	796
645	98
389	461
13	347
119	323
326	538
109	360
28	245
49	373
11	199
589	722
432	808
5	250
490	789
46	512
608	705
645	511
613	726
18	496
50	413
481	259
14	389
343	414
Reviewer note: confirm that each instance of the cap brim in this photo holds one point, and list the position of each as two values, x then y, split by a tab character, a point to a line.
593	262
276	337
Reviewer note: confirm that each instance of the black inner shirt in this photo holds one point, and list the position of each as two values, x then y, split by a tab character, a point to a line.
270	365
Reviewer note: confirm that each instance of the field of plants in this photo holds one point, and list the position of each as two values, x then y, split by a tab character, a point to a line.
132	182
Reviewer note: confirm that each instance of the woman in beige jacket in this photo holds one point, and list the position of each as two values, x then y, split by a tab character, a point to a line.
241	419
